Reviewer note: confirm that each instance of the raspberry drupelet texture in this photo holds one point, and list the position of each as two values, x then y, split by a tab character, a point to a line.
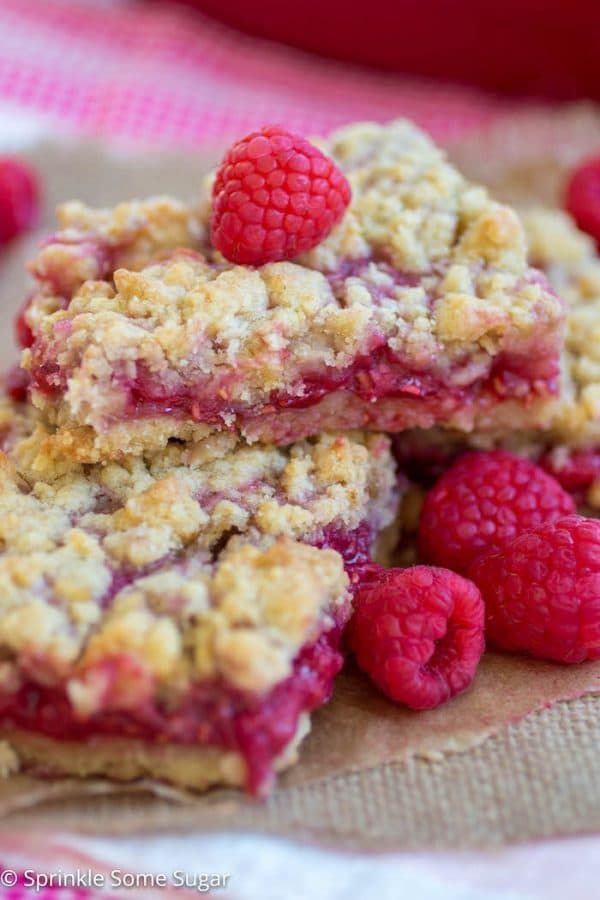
542	592
484	501
583	197
275	196
418	633
19	198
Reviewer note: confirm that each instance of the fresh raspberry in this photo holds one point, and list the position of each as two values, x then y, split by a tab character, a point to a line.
424	463
542	592
418	633
19	198
583	197
275	195
575	471
484	501
23	332
16	384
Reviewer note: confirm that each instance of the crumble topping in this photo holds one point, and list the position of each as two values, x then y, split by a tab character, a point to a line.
91	243
202	490
423	263
242	619
571	260
106	562
411	205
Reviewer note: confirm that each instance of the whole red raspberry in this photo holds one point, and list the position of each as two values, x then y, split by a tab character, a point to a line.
583	197
19	198
23	333
542	592
16	384
575	471
418	633
275	195
482	502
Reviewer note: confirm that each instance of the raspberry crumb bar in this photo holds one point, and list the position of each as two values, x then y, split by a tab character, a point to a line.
564	432
178	615
571	260
419	308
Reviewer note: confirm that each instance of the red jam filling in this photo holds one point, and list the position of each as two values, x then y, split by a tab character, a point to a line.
378	374
355	549
370	378
257	727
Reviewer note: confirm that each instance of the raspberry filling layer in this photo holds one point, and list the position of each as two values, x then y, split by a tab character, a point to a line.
376	376
379	373
258	728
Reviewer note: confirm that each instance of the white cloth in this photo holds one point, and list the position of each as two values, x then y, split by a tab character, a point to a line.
263	868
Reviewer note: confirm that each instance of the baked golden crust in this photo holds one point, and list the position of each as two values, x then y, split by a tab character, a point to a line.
423	263
125	759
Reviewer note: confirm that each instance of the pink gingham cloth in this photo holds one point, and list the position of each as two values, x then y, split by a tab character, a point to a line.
161	73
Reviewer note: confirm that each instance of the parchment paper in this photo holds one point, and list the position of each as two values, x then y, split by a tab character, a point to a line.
371	774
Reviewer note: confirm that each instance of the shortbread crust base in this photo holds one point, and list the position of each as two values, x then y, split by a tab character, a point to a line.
126	759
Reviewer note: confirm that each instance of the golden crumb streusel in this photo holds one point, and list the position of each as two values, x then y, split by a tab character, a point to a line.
411	204
91	243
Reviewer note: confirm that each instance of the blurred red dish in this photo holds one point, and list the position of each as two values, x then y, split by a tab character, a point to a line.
546	48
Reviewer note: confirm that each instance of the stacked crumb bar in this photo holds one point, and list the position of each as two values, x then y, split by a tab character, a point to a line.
196	470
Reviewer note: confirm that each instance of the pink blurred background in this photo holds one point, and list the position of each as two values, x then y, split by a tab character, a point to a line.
164	73
543	48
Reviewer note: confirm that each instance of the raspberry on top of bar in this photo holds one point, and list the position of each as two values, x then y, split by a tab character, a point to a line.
419	308
175	599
